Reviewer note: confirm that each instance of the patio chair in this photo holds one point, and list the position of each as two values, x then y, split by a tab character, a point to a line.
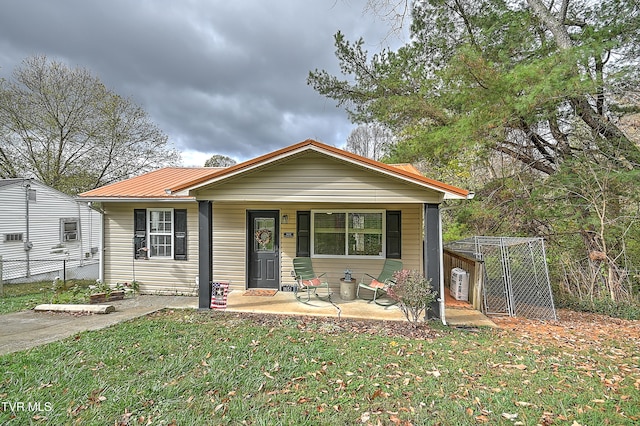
308	281
379	285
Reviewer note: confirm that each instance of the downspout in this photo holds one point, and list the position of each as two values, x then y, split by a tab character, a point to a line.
441	256
81	254
470	196
27	243
101	247
91	210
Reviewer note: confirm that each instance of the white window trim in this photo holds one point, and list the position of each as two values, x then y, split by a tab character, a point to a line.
149	233
65	220
383	252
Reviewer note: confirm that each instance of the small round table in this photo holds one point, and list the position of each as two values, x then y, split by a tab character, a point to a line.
347	289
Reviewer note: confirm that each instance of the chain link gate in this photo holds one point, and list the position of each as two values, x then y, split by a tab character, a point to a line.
516	276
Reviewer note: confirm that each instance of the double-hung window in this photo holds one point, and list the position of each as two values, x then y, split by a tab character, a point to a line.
160	233
353	233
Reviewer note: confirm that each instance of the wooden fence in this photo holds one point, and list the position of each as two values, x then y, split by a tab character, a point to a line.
474	267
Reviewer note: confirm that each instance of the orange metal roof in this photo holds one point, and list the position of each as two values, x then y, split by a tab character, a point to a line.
153	184
407	167
163	182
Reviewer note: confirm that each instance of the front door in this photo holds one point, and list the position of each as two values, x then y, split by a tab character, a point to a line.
263	249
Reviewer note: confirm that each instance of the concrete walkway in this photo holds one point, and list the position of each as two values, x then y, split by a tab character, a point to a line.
23	330
27	329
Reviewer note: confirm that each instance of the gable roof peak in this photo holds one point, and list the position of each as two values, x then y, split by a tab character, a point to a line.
406	171
172	182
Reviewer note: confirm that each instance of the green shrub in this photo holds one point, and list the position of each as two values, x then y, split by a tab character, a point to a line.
413	293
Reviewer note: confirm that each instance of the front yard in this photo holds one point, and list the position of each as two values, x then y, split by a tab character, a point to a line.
25	296
186	367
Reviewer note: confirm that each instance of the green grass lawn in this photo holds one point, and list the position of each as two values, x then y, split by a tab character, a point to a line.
20	297
188	368
25	296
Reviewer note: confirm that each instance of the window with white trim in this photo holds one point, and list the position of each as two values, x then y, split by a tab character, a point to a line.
165	231
160	229
352	233
69	229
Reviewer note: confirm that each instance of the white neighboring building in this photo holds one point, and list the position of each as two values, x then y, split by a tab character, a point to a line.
41	227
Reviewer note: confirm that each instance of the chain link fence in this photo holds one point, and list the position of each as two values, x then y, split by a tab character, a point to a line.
17	271
516	276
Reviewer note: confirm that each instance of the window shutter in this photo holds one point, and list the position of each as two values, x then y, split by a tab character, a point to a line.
139	233
303	234
180	234
394	240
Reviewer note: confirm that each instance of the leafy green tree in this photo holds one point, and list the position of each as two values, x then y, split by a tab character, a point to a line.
66	129
498	76
521	96
593	213
218	160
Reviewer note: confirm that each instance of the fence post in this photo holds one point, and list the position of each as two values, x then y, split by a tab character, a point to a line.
1	284
64	271
478	284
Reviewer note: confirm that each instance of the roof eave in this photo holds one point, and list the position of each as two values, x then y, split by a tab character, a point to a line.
105	199
452	196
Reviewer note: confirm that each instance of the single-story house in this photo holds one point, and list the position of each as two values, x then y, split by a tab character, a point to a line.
176	230
44	231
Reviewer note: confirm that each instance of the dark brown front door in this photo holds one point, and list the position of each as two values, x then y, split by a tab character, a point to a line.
263	249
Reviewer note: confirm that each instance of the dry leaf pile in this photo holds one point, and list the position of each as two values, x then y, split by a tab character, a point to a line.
577	329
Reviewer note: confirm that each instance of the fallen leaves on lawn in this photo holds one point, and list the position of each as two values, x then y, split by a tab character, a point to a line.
578	330
577	334
330	325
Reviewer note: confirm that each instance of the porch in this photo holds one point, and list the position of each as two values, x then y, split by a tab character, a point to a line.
284	303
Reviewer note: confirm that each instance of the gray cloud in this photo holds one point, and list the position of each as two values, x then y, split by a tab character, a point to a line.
218	77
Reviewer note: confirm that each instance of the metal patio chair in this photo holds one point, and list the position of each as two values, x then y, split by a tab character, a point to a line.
308	281
380	285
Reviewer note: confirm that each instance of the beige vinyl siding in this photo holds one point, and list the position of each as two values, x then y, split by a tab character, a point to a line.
155	275
320	178
229	241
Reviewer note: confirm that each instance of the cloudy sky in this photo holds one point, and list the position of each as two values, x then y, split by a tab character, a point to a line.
217	76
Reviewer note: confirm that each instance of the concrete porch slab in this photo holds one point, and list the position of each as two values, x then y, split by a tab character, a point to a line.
284	303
